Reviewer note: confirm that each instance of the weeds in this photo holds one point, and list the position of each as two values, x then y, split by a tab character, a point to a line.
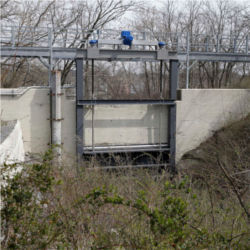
45	207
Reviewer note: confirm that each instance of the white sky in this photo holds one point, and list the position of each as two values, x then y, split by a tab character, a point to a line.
157	2
124	21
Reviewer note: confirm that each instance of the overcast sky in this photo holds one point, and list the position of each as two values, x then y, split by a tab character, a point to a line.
155	2
125	20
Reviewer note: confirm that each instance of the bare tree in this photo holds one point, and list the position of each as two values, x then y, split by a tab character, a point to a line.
205	21
9	9
68	21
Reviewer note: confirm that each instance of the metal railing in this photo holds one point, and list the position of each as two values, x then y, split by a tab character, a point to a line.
25	36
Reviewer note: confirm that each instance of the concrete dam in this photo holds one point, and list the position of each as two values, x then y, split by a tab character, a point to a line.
200	112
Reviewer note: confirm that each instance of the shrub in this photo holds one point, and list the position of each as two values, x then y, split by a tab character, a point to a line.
45	207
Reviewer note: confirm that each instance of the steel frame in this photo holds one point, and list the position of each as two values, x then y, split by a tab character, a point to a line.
131	102
122	55
178	52
125	149
81	149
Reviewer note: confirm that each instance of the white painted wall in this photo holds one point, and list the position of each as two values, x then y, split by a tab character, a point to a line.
203	111
32	109
115	125
126	124
199	114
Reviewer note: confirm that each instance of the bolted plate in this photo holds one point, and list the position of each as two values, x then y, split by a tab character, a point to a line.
93	53
162	54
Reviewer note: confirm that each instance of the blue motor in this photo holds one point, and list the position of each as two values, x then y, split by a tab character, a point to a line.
161	44
93	42
127	38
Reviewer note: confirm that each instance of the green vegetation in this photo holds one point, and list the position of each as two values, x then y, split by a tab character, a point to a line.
46	207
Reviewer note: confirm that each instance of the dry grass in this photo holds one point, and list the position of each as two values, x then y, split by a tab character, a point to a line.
121	205
228	149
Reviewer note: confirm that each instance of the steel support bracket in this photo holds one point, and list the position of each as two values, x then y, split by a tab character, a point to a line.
93	53
162	54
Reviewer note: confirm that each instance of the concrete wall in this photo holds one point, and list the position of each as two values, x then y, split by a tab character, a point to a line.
32	109
126	124
115	125
199	114
203	111
11	143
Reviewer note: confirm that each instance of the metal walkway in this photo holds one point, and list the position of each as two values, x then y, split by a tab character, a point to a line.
72	44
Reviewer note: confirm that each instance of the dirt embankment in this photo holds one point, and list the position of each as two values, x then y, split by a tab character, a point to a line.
223	160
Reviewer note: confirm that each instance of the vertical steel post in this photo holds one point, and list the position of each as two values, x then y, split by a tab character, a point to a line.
79	109
12	36
187	60
218	43
161	79
177	43
246	44
56	115
50	41
235	44
206	44
32	37
161	97
173	79
143	38
93	106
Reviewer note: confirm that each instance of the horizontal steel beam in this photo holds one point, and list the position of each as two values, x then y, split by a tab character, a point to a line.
58	53
125	149
68	53
121	55
214	56
125	102
120	42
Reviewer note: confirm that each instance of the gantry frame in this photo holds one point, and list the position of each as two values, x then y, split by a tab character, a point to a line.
94	54
203	53
122	55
